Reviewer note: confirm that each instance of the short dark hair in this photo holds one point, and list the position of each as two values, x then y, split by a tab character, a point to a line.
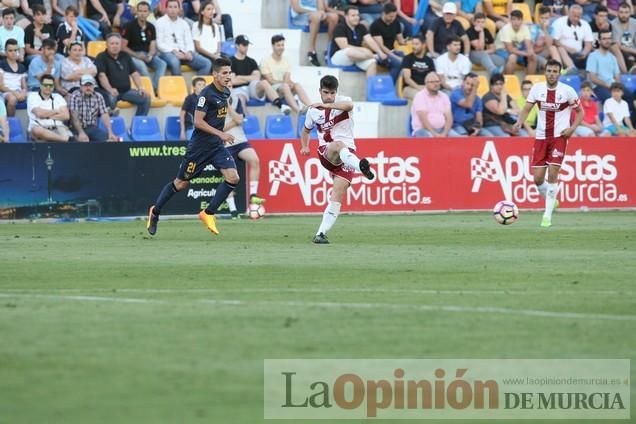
71	9
470	75
390	8
173	1
10	42
479	15
586	84
113	34
143	3
220	62
329	82
47	77
38	9
194	80
617	86
348	8
600	8
624	5
495	78
421	36
49	43
552	62
544	9
516	14
453	38
526	82
276	38
8	11
604	31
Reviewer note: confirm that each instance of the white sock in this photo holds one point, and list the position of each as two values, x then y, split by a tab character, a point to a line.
329	217
543	188
231	203
253	187
553	189
349	159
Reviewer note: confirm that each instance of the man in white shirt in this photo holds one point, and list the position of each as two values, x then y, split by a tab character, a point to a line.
573	39
47	112
452	66
175	44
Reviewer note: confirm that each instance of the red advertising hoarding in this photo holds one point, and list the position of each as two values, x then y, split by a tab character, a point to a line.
449	174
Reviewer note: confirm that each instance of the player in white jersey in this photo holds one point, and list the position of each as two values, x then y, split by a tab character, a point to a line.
336	150
555	101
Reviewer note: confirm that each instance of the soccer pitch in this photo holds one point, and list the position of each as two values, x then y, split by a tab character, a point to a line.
99	323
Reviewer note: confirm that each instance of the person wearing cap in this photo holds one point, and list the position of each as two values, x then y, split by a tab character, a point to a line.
347	48
74	66
68	31
45	63
311	13
175	44
114	71
139	40
87	107
444	28
246	78
277	71
47	112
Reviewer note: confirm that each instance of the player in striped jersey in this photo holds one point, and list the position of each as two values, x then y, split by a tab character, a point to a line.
555	101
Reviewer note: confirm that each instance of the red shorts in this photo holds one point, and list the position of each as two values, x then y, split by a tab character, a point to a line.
550	151
340	170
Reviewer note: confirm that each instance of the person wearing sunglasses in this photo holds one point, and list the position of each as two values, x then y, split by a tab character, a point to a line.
47	112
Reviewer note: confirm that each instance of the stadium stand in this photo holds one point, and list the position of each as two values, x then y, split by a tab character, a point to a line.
252	128
279	126
145	128
172	129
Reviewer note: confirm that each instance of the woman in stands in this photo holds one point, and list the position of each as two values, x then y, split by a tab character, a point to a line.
206	33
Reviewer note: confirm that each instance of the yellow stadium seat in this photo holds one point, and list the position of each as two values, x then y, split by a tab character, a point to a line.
173	89
513	88
123	104
465	23
95	48
155	101
525	9
491	26
209	79
406	49
484	86
535	78
186	68
536	12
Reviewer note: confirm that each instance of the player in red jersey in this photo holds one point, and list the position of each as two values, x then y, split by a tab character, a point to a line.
334	120
554	101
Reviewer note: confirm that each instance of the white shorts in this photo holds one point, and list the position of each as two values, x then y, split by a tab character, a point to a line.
340	58
248	91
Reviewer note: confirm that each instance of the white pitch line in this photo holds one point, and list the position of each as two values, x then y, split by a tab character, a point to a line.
434	308
79	298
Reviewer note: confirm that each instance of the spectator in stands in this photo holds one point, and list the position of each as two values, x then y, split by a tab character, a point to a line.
386	30
224	20
482	43
246	80
36	33
452	66
431	114
59	11
5	132
601	22
467	9
14	85
68	32
277	72
467	108
174	40
573	39
106	12
540	36
498	11
558	8
86	108
370	10
47	112
347	49
589	8
624	33
206	34
531	120
140	43
221	19
616	111
75	66
406	14
614	5
500	110
114	70
45	64
25	11
313	13
602	67
591	124
415	67
186	115
10	31
443	29
514	45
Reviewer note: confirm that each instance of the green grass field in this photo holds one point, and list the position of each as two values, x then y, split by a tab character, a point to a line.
101	324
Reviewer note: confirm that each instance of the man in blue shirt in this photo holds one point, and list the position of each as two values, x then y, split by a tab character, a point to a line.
602	66
467	108
207	146
45	63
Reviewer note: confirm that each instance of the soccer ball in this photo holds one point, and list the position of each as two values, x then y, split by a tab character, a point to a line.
505	212
256	211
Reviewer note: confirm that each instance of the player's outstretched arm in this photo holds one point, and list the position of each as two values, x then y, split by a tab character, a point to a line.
344	106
